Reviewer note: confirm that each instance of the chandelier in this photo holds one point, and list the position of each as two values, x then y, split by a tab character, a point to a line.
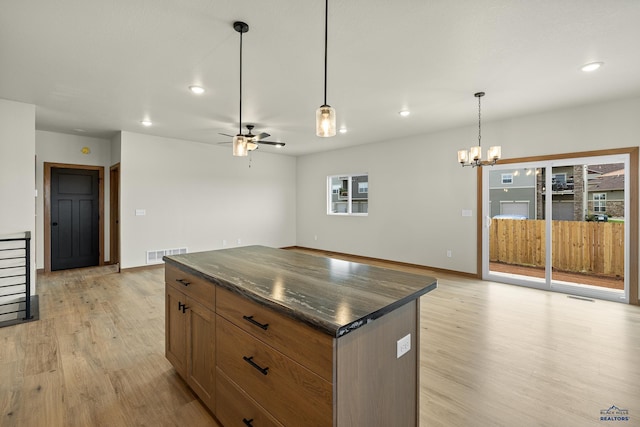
473	157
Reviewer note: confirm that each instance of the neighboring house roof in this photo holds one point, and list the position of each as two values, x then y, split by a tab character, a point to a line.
613	180
605	168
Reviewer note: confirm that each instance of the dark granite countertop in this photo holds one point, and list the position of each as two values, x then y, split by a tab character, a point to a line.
331	295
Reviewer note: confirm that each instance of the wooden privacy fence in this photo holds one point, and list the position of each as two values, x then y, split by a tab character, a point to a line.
577	246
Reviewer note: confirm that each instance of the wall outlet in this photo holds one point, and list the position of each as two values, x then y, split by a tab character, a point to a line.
239	241
141	212
403	346
448	253
315	237
224	243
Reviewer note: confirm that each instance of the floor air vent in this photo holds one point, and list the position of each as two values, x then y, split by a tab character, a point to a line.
155	257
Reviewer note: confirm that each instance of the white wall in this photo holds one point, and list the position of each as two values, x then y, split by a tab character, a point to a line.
115	149
53	147
411	202
197	195
17	181
417	190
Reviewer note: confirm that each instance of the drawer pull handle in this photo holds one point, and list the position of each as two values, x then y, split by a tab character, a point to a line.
182	307
184	282
250	361
258	324
248	422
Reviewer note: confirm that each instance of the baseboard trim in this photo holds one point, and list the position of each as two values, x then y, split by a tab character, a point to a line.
141	268
331	254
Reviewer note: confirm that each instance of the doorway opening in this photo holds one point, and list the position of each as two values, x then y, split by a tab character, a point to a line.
564	224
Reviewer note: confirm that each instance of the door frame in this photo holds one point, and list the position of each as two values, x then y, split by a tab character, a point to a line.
114	214
633	153
47	209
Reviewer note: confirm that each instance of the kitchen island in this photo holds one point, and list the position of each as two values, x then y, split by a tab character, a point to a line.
271	337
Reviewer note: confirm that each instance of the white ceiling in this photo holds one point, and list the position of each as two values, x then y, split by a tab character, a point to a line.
104	65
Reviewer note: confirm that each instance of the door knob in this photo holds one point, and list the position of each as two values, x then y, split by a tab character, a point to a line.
54	223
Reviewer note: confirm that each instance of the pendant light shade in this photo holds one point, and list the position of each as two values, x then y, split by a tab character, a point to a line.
240	146
325	114
325	121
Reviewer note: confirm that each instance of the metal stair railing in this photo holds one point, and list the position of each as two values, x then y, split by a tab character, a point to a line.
15	274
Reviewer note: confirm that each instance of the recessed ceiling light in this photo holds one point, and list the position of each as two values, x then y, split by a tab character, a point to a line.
198	90
404	113
587	68
343	130
146	122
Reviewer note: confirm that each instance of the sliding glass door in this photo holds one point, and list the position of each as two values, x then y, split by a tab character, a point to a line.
559	225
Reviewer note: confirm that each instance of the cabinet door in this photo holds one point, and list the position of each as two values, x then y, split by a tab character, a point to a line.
176	330
201	352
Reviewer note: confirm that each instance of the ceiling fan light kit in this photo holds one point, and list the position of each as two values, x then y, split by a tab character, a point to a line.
325	114
473	157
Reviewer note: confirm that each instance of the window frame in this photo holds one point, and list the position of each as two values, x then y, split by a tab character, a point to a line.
599	202
348	199
508	176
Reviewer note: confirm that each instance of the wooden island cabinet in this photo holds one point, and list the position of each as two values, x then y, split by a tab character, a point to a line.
269	337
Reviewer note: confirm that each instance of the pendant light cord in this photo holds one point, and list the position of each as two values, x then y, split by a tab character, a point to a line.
479	126
240	124
326	25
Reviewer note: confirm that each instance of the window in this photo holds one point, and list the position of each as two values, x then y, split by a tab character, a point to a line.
507	178
348	195
599	202
559	182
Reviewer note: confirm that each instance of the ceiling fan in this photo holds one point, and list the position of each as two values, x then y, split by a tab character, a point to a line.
254	140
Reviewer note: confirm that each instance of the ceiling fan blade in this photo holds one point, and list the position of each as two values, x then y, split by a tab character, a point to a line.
226	134
262	135
282	144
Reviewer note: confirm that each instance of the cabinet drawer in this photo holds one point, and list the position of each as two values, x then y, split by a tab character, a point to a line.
305	345
294	395
191	285
235	408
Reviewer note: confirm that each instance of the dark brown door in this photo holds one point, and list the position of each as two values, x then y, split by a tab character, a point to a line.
74	218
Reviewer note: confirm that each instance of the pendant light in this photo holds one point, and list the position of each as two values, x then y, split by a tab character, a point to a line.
325	114
240	142
473	157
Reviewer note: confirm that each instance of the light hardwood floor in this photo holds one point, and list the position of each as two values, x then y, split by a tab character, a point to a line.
491	355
